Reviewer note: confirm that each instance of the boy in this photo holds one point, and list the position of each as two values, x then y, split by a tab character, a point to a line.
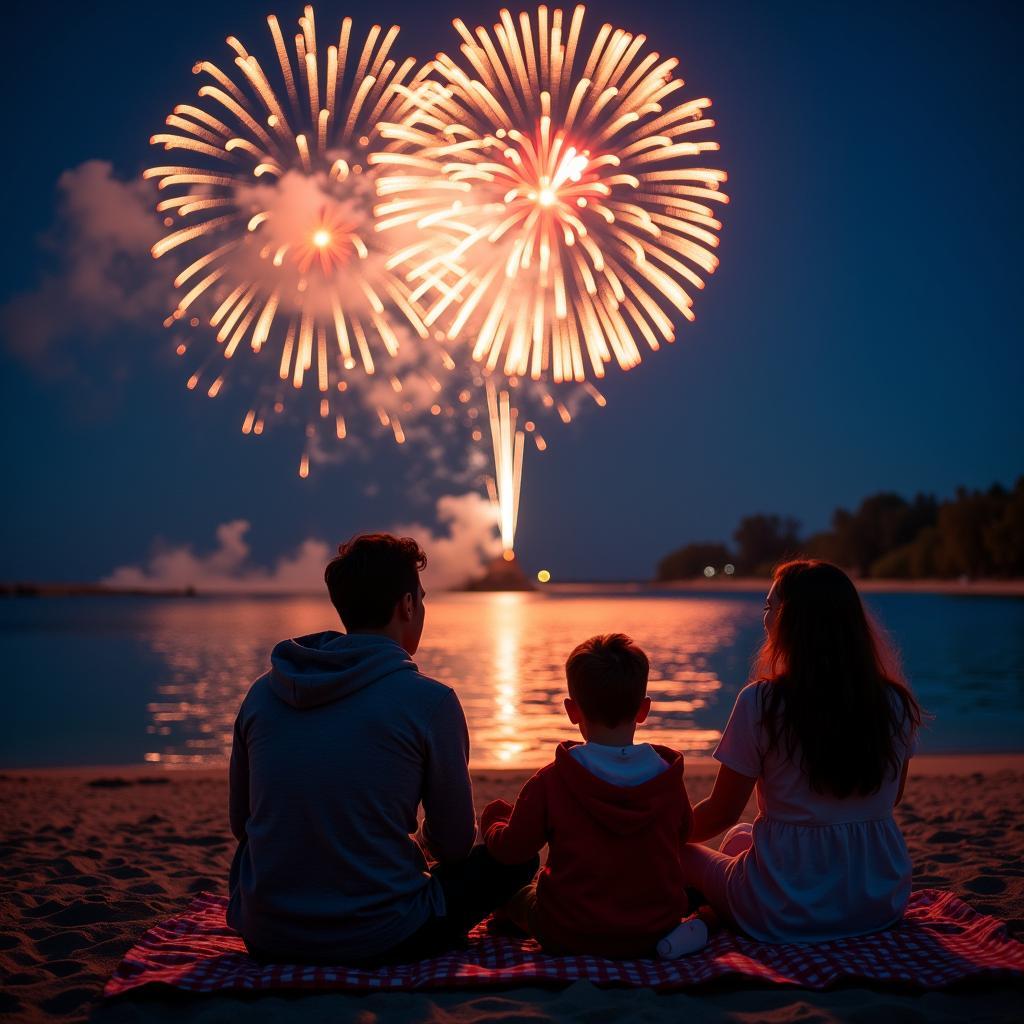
613	814
334	750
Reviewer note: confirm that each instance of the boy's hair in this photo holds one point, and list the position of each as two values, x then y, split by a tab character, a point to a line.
607	678
370	575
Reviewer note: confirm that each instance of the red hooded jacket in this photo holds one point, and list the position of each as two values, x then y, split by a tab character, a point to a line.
613	883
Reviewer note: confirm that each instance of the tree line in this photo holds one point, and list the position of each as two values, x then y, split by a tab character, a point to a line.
974	534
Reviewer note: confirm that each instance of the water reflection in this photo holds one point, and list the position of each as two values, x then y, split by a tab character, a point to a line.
503	653
85	679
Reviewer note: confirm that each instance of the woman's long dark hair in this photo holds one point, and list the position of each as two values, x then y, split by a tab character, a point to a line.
837	699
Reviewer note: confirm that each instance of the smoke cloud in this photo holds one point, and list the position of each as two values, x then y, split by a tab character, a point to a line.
456	552
101	276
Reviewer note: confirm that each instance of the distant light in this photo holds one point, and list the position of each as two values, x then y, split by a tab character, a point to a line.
543	576
546	197
321	238
508	554
730	569
709	571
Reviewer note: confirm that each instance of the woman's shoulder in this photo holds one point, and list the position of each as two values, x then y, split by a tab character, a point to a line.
756	692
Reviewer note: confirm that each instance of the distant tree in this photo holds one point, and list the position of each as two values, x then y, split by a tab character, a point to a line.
974	534
824	545
964	523
689	561
1004	537
922	558
882	523
762	541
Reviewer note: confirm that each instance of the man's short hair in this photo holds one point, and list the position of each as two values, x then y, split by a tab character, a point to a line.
370	574
607	678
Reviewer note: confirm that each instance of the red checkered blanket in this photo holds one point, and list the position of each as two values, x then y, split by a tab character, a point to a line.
940	941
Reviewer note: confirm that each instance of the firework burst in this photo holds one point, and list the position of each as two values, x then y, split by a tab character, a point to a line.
574	219
273	208
564	218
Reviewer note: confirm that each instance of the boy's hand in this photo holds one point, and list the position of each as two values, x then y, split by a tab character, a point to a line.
496	811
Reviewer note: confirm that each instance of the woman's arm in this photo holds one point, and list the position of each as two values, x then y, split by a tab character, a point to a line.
903	781
723	808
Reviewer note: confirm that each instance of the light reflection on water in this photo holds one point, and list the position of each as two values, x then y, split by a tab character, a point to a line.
503	653
116	680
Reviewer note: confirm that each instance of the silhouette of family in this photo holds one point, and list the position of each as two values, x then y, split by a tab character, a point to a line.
352	802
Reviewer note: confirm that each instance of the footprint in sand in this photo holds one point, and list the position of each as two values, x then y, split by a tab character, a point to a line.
69	1000
986	885
148	889
63	943
86	913
948	837
127	872
64	968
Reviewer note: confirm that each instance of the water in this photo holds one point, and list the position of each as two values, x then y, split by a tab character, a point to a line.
128	680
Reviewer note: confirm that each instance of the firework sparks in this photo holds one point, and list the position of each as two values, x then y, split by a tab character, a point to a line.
564	217
575	223
273	206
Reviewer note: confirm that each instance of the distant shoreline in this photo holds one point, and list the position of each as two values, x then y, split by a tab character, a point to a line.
759	585
703	587
20	589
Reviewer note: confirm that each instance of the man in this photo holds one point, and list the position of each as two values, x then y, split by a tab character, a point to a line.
334	750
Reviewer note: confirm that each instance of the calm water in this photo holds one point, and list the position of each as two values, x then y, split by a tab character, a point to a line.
125	680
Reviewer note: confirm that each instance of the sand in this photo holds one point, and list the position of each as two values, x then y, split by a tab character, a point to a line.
91	858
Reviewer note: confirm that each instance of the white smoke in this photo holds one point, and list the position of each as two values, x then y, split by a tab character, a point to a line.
456	553
101	278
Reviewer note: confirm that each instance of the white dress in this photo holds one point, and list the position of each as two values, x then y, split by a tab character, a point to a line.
818	867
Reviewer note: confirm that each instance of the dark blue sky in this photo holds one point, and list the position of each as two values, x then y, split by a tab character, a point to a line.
863	331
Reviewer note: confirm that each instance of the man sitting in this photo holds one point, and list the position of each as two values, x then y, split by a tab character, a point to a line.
334	750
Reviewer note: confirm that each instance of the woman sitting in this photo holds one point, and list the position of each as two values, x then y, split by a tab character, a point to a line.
825	735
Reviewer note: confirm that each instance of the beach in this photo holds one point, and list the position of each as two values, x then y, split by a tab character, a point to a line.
93	857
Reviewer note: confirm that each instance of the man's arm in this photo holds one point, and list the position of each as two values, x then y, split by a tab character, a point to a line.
449	821
238	783
514	835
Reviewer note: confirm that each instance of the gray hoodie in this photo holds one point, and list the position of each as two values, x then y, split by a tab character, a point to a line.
334	749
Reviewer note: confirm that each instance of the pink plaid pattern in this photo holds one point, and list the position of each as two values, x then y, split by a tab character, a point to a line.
940	941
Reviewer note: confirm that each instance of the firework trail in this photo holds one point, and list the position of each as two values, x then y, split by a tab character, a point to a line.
273	204
564	218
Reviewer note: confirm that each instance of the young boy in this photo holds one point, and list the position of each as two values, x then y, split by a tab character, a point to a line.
613	813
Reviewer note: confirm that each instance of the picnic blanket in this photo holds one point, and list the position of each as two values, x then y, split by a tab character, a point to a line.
940	941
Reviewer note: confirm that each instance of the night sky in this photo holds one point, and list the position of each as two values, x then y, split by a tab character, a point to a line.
861	334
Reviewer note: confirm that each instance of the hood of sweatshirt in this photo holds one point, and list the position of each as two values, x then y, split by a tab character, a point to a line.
623	810
324	667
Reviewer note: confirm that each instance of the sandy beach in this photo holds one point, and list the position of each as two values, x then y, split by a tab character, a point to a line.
93	857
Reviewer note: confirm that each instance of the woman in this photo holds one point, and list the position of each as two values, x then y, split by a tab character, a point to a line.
825	735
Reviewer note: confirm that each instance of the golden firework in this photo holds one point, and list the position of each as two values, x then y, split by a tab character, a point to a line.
274	207
565	218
